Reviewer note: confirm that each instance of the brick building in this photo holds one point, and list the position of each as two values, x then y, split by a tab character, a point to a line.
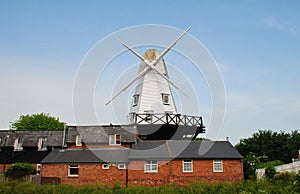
132	161
27	146
156	147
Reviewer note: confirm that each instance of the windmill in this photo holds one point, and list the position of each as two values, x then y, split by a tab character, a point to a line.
153	102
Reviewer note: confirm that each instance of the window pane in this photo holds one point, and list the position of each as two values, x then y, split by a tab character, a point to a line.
218	166
187	166
73	170
118	139
151	166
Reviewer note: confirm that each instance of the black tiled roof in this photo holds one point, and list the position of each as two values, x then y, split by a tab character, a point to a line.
149	150
184	149
100	134
30	137
163	150
103	155
204	150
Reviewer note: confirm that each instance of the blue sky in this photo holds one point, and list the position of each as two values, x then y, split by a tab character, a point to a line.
255	43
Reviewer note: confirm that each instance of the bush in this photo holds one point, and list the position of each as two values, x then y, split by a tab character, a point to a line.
19	170
270	172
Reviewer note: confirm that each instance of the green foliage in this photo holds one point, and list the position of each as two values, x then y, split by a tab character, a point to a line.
271	163
268	146
276	146
39	121
251	163
297	183
270	172
18	171
246	187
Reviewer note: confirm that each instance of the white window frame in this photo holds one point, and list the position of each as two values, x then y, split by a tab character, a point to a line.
38	169
73	166
218	165
42	144
18	145
115	139
78	140
135	99
105	166
187	165
121	166
150	166
165	98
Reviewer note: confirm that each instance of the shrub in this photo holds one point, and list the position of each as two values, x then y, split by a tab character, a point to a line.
270	172
18	171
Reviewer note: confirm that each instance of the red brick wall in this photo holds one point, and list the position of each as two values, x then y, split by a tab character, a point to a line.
88	174
203	170
168	172
137	176
4	167
171	172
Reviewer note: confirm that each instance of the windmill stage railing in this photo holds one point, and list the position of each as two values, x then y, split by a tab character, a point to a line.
172	119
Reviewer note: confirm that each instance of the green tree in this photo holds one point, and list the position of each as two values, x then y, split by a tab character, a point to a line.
251	162
276	146
39	121
18	170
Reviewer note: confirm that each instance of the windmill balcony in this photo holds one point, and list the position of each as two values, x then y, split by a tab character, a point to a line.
165	118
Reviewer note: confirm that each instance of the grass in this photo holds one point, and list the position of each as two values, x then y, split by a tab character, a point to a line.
246	187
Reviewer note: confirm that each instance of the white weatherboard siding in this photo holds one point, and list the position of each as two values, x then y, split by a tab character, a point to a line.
151	86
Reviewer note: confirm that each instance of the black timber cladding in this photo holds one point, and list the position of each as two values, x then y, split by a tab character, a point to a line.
29	152
167	131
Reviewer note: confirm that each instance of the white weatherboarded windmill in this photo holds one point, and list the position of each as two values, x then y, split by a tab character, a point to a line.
153	102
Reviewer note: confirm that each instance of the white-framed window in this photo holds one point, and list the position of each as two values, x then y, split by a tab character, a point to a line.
115	139
135	99
105	166
187	165
165	98
218	165
121	166
38	169
151	166
73	170
42	144
18	145
78	140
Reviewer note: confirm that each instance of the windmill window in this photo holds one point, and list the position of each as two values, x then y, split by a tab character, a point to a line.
165	99
115	139
135	99
18	145
42	144
73	170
